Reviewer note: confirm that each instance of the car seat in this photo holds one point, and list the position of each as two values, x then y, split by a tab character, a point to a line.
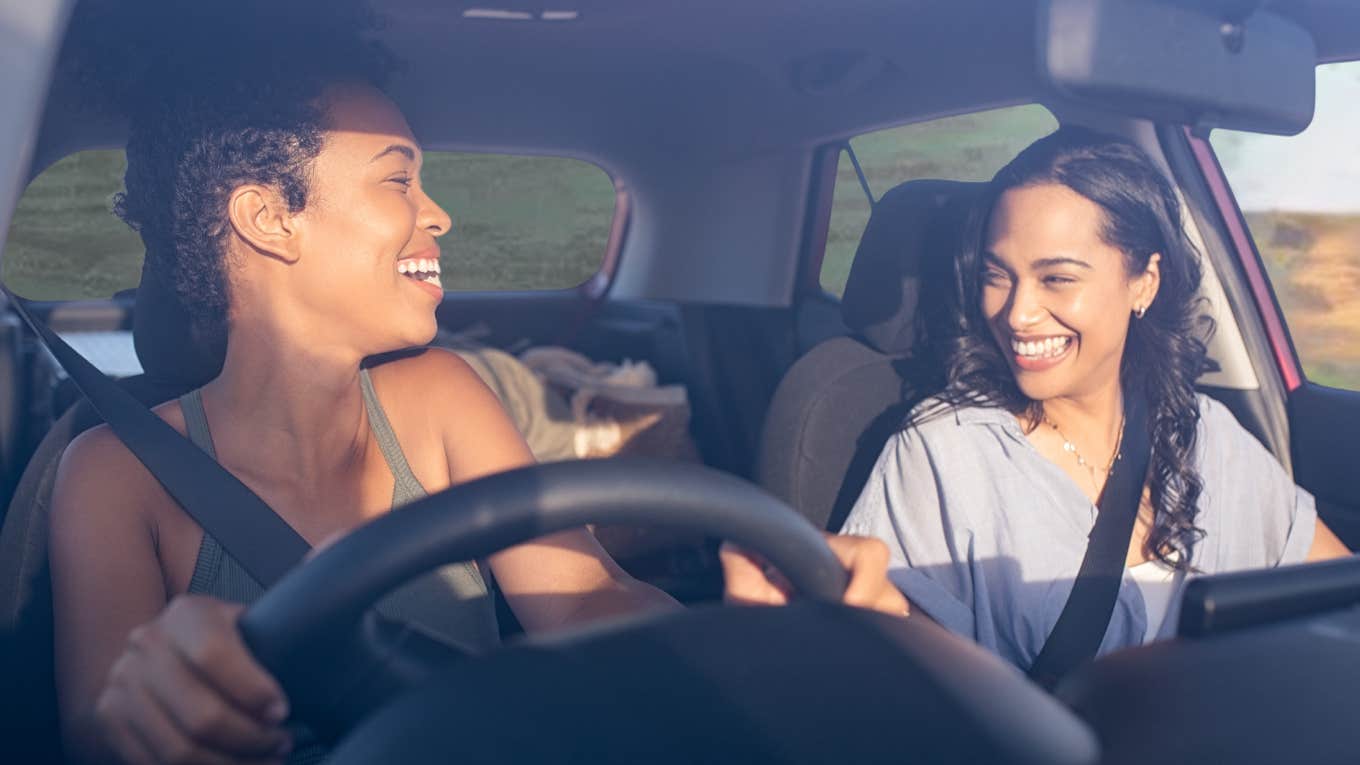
173	363
837	405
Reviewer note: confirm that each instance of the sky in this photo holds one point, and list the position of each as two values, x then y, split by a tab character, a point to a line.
1317	170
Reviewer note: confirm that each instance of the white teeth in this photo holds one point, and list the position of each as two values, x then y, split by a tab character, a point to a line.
433	279
1049	347
418	266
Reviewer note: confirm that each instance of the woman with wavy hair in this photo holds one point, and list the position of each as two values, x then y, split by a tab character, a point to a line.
1077	290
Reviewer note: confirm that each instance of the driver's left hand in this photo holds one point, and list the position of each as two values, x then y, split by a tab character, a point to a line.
751	581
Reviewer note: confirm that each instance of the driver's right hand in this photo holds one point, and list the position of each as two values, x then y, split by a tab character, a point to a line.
187	690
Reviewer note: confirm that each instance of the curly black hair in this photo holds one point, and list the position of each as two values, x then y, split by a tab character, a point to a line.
1165	350
217	94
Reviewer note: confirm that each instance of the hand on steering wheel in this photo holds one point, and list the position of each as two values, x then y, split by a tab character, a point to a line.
749	580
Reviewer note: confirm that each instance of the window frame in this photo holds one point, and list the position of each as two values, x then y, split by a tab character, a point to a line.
817	222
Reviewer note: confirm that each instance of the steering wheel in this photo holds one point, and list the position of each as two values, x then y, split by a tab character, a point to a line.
337	660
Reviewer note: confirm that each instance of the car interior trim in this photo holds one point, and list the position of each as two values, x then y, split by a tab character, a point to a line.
1249	260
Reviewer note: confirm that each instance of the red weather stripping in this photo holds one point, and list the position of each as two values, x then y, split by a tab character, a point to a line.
1250	261
597	285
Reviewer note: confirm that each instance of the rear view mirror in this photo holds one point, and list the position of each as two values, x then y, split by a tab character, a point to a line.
1205	63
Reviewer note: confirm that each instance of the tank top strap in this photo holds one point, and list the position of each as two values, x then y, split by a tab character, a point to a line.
406	487
196	421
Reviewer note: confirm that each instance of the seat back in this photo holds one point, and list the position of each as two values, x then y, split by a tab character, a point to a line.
174	363
840	402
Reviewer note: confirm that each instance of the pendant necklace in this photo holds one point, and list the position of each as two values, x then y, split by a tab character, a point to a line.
1071	448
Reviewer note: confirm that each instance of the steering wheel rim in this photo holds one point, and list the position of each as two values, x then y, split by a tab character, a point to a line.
326	602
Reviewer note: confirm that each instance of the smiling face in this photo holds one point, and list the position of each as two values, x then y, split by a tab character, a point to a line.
1057	298
359	266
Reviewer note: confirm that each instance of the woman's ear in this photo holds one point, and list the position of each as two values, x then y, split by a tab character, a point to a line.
1146	284
260	217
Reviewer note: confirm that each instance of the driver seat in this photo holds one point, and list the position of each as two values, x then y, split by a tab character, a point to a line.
840	402
173	364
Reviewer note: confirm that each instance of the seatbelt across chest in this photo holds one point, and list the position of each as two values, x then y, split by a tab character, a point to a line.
1081	627
247	528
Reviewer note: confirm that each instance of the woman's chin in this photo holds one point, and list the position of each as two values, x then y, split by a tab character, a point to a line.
1038	386
423	335
412	333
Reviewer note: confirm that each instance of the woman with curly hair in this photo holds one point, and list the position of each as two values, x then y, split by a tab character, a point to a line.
278	192
1077	290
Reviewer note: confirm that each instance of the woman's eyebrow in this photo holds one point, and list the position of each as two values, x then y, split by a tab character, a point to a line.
396	148
1050	262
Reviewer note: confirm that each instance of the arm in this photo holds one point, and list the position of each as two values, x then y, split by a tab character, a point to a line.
1325	545
138	681
555	581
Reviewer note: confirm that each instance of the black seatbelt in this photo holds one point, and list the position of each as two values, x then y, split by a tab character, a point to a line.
1080	629
248	529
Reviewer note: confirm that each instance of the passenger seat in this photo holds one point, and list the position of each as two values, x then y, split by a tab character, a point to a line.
840	402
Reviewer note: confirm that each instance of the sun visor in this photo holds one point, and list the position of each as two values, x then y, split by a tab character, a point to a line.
1206	63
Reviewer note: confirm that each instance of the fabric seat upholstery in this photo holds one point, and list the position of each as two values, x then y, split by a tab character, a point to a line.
838	404
173	364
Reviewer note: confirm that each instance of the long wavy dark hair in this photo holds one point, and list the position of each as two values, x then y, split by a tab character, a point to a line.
1165	349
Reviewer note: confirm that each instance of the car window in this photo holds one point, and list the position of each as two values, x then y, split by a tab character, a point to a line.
969	147
520	223
1300	196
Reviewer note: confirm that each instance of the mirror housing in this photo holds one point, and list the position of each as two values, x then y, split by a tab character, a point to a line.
1194	62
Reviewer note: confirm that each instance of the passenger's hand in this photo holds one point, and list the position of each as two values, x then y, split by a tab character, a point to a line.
187	690
749	580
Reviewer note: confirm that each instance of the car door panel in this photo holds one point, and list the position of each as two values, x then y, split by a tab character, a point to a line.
1323	426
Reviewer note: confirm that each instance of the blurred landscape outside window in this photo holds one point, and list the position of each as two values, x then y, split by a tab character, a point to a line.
969	147
519	223
1300	196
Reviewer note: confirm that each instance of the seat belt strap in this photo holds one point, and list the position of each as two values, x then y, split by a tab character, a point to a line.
247	528
1081	627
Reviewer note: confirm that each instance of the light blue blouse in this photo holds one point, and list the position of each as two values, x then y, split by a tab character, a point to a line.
987	535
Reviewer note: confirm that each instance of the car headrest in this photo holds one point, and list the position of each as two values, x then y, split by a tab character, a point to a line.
905	259
166	344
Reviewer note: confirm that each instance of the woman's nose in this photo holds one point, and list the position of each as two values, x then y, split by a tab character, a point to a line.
1026	309
432	217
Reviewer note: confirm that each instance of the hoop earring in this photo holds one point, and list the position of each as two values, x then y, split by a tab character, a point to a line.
1139	311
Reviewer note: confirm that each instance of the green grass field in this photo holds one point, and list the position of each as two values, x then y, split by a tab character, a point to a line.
519	223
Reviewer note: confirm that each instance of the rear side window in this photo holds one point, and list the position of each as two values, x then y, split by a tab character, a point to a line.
519	223
64	242
970	147
1300	196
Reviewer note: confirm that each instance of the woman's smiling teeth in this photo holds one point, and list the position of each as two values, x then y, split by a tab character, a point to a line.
421	269
1046	348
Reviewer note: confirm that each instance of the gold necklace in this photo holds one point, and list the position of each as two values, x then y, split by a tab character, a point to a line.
1071	448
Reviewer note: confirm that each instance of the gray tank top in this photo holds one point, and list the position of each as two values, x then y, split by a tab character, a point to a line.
452	603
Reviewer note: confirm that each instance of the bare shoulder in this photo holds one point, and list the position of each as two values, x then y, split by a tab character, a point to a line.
426	370
98	471
437	389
